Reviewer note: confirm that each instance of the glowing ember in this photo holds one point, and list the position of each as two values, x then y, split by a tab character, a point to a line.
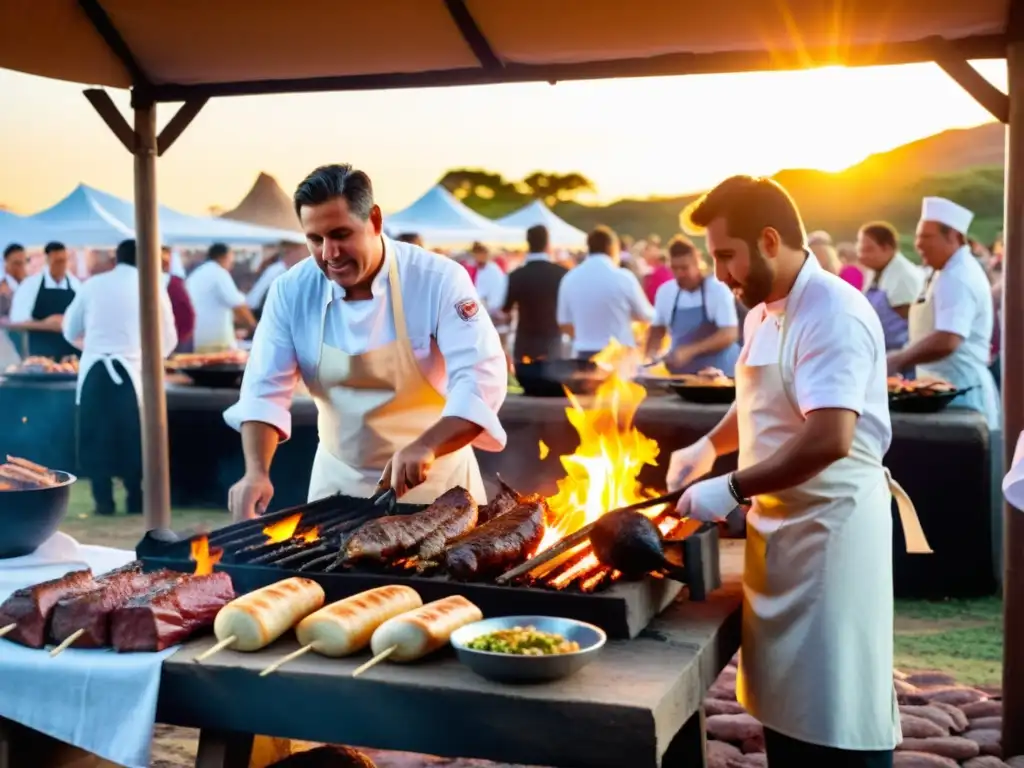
602	473
204	557
544	450
311	535
282	530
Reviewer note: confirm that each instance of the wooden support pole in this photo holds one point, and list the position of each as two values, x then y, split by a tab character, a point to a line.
971	80
181	120
156	482
1013	406
106	109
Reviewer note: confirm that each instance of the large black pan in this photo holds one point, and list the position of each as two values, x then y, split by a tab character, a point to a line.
216	376
30	517
550	378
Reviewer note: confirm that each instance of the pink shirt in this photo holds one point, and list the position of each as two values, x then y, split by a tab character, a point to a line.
653	281
853	275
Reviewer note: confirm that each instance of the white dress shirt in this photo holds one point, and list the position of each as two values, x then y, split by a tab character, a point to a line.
838	345
719	302
24	300
600	301
103	318
901	281
461	358
258	292
491	286
214	296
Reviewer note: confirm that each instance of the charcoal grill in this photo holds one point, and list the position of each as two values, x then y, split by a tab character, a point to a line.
576	588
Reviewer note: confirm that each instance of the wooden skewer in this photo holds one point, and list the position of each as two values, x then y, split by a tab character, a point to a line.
374	661
67	642
9	628
285	659
215	649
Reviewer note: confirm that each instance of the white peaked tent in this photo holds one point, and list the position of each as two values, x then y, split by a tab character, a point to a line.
561	233
88	217
18	229
442	220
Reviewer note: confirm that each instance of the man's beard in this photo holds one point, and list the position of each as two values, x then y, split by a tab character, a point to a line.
760	278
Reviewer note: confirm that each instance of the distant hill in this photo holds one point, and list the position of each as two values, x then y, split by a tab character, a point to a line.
963	165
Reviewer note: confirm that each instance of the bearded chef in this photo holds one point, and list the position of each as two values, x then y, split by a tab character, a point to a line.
405	367
103	321
950	325
811	424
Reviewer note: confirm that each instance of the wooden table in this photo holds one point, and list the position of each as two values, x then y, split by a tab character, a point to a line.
638	704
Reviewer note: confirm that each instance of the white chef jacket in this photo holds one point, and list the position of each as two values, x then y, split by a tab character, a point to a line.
962	297
492	286
24	300
103	318
901	281
461	358
719	302
838	364
11	282
258	292
600	301
214	297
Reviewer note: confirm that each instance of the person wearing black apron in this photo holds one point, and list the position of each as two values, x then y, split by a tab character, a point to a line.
104	319
702	335
40	303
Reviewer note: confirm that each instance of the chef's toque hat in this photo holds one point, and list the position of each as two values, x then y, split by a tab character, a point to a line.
944	211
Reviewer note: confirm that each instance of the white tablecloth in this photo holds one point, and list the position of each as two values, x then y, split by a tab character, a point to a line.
99	700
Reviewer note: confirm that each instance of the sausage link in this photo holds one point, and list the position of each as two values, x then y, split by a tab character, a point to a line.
344	627
259	618
415	634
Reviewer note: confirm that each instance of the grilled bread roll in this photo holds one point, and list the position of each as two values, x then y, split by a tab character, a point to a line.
424	630
345	627
259	618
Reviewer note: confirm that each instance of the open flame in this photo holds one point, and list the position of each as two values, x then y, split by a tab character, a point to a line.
601	474
286	529
204	557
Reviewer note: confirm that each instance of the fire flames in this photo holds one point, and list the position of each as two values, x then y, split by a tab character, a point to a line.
285	529
204	557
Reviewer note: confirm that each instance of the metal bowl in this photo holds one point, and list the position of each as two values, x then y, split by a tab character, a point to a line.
30	517
512	668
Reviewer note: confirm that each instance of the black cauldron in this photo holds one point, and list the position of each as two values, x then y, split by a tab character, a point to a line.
30	517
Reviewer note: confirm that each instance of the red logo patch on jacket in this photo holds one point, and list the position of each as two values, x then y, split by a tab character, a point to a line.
468	309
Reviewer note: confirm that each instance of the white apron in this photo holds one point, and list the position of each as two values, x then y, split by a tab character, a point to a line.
958	369
817	650
373	404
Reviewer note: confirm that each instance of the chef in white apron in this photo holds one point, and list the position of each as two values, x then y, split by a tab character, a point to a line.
103	321
951	332
811	424
404	365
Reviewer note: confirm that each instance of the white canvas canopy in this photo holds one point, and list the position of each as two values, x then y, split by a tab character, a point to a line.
443	221
561	233
91	218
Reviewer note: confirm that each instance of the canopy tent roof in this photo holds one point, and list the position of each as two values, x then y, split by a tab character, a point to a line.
560	232
266	204
89	217
442	220
18	229
179	50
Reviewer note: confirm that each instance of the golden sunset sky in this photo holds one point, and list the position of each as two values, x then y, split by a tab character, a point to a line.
634	138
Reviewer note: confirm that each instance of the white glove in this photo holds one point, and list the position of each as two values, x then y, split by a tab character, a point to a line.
690	463
708	501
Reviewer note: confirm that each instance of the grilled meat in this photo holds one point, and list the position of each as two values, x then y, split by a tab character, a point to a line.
170	612
505	501
30	608
90	611
452	513
494	547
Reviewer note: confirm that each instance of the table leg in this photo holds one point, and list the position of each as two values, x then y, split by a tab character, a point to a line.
688	748
223	749
5	743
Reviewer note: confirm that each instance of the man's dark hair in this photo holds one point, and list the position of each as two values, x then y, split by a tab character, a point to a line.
217	251
126	252
12	249
408	237
681	245
750	205
329	182
54	246
601	239
945	229
883	233
479	247
537	238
